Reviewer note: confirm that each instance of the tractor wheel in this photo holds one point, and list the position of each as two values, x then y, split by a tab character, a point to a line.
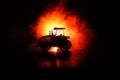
68	45
45	46
44	42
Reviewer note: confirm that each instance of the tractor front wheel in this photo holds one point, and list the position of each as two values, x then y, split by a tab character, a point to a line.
45	46
68	45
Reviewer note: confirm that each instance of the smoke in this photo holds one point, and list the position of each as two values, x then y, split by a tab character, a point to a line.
58	16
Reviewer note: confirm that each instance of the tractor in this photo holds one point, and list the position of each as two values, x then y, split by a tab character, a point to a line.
56	38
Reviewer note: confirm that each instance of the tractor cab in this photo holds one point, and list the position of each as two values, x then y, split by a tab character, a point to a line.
57	32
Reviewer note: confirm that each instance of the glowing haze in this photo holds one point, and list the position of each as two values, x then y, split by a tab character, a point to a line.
76	28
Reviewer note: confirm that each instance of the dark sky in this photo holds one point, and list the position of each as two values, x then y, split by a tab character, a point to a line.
25	12
97	13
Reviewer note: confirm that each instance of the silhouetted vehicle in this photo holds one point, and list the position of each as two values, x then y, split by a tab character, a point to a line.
55	38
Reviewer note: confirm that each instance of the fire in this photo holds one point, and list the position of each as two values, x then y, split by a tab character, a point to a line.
54	49
76	28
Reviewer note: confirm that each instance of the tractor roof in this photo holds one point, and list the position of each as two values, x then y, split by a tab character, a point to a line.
58	28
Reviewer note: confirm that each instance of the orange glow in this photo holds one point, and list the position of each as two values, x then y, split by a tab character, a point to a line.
53	49
76	28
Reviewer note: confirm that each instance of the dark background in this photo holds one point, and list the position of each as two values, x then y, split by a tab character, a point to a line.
16	16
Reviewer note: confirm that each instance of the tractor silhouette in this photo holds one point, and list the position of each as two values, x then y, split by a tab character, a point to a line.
55	38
